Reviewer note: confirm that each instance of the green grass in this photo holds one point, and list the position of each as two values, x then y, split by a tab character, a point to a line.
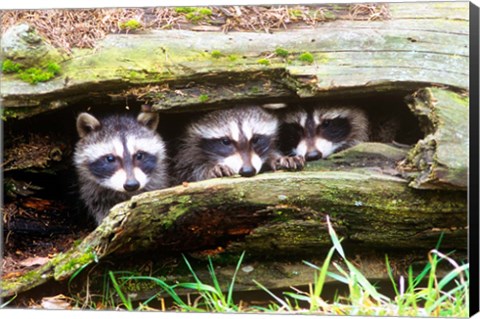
364	299
424	294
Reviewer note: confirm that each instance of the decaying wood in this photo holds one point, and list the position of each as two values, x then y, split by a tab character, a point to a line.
368	197
349	57
440	160
284	212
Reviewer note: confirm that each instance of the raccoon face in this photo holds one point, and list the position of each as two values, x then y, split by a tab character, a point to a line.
319	132
119	153
240	139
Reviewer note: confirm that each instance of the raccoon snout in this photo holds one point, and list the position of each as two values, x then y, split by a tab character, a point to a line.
313	155
247	171
131	185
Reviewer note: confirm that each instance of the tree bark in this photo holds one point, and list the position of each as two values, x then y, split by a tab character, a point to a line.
372	202
176	71
279	212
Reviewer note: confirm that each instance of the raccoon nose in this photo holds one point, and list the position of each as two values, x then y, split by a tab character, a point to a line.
131	185
313	155
247	171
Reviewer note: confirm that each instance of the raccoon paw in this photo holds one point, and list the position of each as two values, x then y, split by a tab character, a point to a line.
293	163
221	171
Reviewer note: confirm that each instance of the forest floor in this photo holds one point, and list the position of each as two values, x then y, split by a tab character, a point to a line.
82	28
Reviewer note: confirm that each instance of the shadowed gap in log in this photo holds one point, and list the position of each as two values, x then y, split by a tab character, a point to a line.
41	203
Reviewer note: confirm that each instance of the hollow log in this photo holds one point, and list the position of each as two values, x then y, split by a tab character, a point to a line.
282	212
376	195
440	160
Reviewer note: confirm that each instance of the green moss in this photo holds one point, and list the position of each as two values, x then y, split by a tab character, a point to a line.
8	66
74	262
177	207
130	25
281	52
199	14
203	98
184	10
295	13
134	75
329	15
263	61
137	286
7	114
216	54
254	89
205	11
306	57
35	75
233	57
53	67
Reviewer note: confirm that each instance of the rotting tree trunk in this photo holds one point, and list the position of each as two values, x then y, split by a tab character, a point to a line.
416	47
440	160
285	211
282	212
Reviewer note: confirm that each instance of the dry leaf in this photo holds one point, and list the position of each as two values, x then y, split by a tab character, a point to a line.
58	302
34	261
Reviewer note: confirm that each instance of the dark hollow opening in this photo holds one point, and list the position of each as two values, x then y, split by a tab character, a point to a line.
41	204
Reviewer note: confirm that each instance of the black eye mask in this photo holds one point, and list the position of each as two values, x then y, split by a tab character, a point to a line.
105	166
334	130
223	147
261	144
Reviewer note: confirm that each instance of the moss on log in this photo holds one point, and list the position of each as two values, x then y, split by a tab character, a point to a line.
349	57
370	202
284	212
440	160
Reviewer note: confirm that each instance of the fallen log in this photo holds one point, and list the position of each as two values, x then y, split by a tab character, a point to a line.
373	202
177	70
281	212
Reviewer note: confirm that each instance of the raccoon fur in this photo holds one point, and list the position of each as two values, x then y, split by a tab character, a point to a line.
316	132
118	157
240	140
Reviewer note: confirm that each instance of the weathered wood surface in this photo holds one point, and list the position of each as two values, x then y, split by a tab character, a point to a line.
361	191
281	212
440	160
419	45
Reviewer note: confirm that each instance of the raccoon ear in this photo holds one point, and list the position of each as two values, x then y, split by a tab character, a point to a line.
149	119
86	124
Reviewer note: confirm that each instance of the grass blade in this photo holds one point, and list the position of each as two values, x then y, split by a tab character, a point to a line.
334	238
198	286
230	288
279	300
126	301
390	275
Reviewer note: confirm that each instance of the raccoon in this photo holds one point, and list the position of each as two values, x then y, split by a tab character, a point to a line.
118	157
240	140
317	132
